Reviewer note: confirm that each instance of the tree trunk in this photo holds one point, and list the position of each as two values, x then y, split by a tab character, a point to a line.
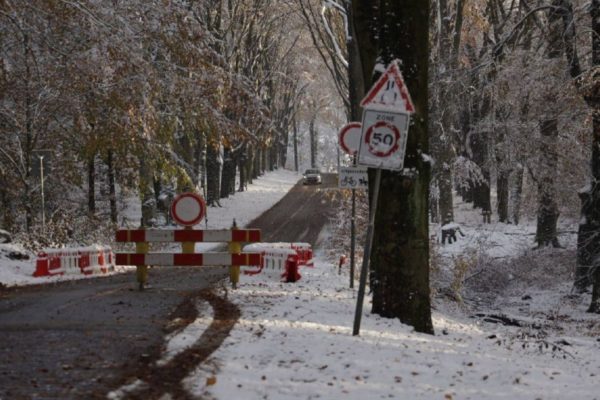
257	162
146	195
356	83
199	179
517	194
434	202
241	165
481	190
264	153
6	202
213	173
112	193
445	197
228	174
502	186
295	125
547	216
595	305
91	185
400	254
593	214
313	141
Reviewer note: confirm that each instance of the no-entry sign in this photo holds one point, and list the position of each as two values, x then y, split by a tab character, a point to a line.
188	209
349	137
383	142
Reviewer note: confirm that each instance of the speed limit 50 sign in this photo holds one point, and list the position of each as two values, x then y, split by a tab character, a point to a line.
383	139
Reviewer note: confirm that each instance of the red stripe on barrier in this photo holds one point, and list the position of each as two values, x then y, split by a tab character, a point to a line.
137	236
255	235
188	259
121	236
130	259
188	235
245	259
245	235
134	235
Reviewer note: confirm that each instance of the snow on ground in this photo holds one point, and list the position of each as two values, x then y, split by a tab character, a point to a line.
294	340
261	195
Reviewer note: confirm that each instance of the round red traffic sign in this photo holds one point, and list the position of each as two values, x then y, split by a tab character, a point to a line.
349	137
382	139
188	209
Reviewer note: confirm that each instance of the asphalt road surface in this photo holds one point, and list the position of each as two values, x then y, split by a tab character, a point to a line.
83	339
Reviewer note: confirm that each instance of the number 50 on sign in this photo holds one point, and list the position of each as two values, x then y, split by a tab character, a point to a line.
383	139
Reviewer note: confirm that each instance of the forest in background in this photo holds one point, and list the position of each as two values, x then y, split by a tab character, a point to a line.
513	125
110	98
157	97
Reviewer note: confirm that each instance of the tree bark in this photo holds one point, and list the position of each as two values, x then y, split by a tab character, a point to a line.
481	190
356	84
592	216
112	193
213	173
400	255
228	174
517	194
295	125
91	168
313	141
146	194
547	216
502	191
446	200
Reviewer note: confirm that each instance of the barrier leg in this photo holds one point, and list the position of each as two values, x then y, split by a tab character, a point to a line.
234	270
141	271
41	265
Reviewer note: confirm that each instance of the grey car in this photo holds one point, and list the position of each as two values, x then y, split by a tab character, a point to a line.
312	176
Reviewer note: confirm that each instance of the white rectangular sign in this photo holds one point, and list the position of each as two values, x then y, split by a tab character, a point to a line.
353	178
383	139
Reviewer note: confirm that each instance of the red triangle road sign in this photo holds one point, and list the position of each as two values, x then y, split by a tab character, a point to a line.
389	91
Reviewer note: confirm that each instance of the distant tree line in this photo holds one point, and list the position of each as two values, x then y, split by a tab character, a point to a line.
141	96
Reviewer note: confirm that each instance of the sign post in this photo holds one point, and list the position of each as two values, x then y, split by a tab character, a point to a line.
43	158
349	138
386	118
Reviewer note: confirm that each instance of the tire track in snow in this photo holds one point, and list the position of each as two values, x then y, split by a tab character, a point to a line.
154	380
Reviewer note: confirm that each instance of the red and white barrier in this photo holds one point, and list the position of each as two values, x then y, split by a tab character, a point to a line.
285	257
194	259
188	235
81	260
305	254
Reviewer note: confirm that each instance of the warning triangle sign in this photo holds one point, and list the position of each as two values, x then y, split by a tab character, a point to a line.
389	92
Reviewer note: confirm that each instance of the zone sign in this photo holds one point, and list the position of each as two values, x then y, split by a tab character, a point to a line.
383	139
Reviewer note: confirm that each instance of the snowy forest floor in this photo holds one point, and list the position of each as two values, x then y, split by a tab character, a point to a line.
506	327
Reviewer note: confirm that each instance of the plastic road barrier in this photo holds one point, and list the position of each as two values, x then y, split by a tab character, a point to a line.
81	260
286	257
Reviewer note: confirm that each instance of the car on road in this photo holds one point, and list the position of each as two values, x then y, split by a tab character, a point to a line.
312	176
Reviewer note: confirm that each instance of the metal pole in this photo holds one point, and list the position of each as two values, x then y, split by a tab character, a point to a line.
353	230
365	264
42	187
352	238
